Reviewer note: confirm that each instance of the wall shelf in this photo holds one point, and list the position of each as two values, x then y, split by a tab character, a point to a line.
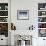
41	22
41	10
3	10
3	22
3	16
41	28
42	16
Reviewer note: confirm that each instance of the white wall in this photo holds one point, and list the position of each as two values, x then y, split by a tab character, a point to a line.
24	4
32	6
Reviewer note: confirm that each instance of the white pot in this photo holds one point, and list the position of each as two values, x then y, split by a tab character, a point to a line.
22	43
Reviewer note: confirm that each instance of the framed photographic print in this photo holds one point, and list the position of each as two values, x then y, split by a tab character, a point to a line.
23	14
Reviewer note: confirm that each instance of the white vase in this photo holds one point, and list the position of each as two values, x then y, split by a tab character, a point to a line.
22	43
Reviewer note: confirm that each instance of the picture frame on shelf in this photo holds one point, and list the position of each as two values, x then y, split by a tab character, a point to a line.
22	14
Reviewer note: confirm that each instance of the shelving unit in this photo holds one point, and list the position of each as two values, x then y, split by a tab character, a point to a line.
42	19
4	19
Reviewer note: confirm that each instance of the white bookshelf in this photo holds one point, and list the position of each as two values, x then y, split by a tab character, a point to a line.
42	18
4	18
42	13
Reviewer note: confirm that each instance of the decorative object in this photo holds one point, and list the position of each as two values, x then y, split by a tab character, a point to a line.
3	19
42	32
42	19
31	27
13	27
6	7
42	25
42	6
4	29
3	13
43	13
23	14
23	40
